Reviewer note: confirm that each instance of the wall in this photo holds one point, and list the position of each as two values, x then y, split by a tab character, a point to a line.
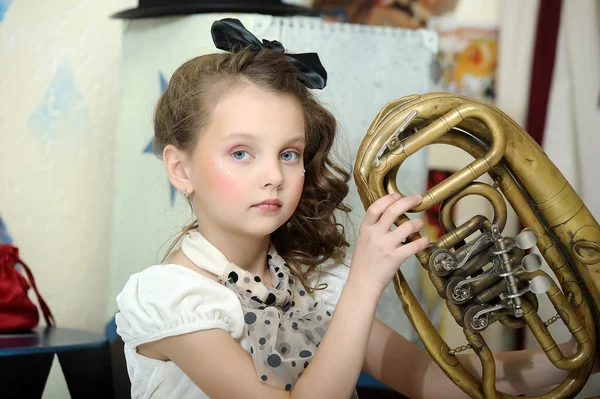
59	92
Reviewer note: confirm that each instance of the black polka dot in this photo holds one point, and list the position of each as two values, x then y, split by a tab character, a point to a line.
291	314
301	292
263	377
257	279
267	322
274	360
295	325
250	318
305	353
233	277
289	292
249	291
293	303
262	341
256	299
328	314
316	303
276	269
269	256
283	350
286	307
271	299
291	281
252	350
288	387
319	317
285	264
280	275
305	364
293	364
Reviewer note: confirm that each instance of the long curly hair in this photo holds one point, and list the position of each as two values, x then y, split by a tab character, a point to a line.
312	235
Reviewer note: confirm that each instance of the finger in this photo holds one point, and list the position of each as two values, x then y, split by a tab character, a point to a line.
414	247
377	208
406	229
394	211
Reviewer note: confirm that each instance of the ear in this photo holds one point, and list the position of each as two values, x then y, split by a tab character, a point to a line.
177	167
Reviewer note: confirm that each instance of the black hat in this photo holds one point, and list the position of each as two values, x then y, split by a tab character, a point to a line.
162	8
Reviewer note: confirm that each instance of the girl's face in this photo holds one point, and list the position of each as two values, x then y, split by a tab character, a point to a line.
250	152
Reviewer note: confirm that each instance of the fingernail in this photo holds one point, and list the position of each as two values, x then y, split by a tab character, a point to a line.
419	197
396	196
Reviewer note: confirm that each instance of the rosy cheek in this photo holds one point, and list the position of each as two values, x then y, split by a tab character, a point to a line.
212	180
226	184
229	186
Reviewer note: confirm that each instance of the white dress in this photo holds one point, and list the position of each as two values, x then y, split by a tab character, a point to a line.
168	300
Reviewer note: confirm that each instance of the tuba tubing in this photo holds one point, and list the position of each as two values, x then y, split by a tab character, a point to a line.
567	234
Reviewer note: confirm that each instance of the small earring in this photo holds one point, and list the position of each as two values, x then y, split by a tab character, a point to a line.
185	194
304	171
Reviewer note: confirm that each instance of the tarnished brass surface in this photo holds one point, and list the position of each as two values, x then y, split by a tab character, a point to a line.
483	276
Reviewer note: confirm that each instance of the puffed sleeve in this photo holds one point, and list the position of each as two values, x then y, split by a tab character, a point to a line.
334	273
169	300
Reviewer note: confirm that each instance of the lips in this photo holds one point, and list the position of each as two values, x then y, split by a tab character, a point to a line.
273	201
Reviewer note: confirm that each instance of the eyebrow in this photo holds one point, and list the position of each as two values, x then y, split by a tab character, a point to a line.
253	137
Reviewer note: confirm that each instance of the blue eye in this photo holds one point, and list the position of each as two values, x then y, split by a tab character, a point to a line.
239	153
283	156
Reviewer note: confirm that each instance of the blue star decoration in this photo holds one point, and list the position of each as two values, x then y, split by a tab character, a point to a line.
148	148
4	4
5	237
61	115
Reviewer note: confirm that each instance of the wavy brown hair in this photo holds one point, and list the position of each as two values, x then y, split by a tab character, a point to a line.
312	235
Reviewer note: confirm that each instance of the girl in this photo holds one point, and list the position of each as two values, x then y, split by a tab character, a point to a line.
244	307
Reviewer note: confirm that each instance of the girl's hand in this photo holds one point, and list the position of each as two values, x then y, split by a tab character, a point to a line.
379	251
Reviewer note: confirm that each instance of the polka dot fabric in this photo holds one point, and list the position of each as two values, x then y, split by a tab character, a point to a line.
283	323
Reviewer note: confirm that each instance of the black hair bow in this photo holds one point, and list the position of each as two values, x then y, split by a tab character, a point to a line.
230	35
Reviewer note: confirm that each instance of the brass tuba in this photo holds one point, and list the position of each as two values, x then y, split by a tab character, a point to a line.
491	278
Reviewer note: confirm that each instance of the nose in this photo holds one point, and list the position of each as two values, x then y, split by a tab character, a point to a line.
273	174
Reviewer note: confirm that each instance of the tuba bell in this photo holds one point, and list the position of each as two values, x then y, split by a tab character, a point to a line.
485	276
